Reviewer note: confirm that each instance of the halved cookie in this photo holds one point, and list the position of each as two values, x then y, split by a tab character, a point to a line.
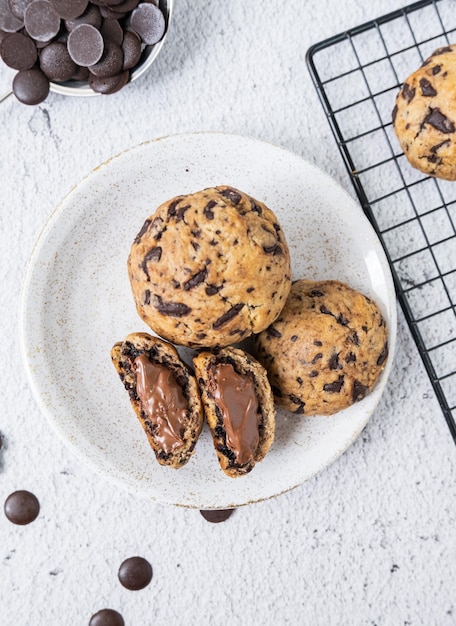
163	393
239	407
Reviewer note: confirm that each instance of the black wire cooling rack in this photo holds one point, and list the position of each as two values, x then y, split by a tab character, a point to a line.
414	215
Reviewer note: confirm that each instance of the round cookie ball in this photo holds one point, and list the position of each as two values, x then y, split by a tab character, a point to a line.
424	115
210	268
326	349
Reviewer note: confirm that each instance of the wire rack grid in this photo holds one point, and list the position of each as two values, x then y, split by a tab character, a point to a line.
357	75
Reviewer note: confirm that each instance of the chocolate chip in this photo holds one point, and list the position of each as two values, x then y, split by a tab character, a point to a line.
41	21
441	50
92	17
232	195
21	507
407	93
85	45
172	309
17	7
293	338
112	31
131	48
426	88
154	255
394	113
383	354
439	121
342	320
109	84
273	332
216	516
274	249
69	9
56	62
18	51
111	61
211	290
144	227
316	358
334	363
148	22
195	280
228	316
359	391
316	293
436	70
135	573
122	7
107	617
335	386
208	212
350	358
30	86
9	23
325	310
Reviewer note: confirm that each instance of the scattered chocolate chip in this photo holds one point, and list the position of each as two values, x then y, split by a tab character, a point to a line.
21	507
325	310
172	309
335	386
107	617
426	88
273	332
216	516
436	70
228	316
439	121
316	293
135	573
275	250
211	290
148	22
441	50
293	338
18	51
407	93
31	86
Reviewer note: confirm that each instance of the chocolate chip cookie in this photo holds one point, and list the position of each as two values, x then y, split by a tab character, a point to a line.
326	350
424	115
210	268
163	393
239	407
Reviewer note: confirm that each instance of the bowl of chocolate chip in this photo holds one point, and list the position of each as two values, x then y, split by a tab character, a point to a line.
80	47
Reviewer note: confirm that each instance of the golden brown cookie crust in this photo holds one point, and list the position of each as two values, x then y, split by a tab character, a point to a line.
210	268
326	350
424	115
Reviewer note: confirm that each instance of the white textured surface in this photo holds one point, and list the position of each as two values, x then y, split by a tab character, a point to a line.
370	540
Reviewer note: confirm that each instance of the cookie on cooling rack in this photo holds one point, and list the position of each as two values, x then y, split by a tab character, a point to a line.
424	115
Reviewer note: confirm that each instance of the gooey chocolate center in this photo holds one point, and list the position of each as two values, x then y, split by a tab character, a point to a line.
236	398
162	400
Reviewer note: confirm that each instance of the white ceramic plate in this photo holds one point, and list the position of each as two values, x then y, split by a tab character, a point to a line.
77	303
